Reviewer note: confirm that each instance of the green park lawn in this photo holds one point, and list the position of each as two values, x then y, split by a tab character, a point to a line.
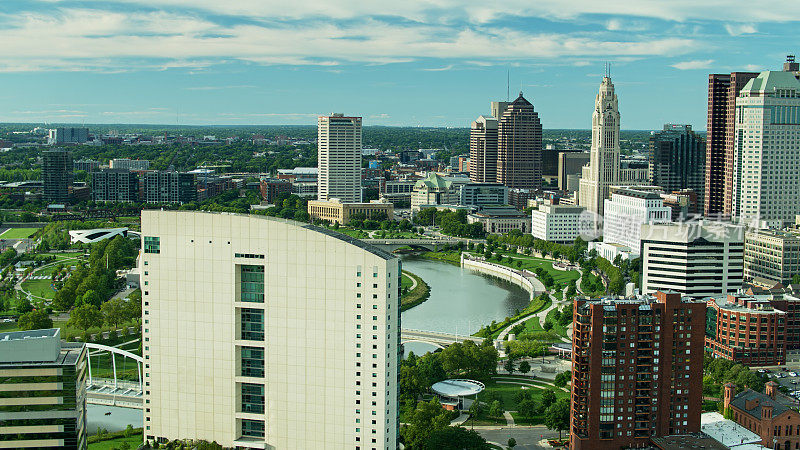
406	282
133	442
531	263
506	393
39	288
18	233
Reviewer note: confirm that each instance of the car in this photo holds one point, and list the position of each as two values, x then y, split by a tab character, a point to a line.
794	381
761	371
792	374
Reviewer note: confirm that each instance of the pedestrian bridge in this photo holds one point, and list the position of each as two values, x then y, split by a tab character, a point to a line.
432	245
437	339
113	391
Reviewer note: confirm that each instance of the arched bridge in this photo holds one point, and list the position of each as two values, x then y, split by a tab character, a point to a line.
112	391
432	245
434	338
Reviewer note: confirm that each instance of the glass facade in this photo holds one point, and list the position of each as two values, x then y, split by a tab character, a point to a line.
252	398
252	324
152	244
251	284
253	428
252	362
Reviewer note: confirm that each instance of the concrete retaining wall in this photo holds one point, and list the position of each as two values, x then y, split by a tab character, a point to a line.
502	272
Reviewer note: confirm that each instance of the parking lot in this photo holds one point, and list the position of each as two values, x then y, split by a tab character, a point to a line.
787	378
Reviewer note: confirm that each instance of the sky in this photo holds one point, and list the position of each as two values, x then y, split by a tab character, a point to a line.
403	63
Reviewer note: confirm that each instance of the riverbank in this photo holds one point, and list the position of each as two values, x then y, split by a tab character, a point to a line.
419	292
452	257
536	305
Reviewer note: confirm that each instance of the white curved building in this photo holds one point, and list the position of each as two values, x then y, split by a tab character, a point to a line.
267	333
96	234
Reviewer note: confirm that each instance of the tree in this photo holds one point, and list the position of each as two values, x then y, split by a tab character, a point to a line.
512	442
91	297
426	418
35	320
524	367
562	379
456	438
114	311
527	407
85	316
475	409
509	366
23	305
556	416
548	325
548	398
496	409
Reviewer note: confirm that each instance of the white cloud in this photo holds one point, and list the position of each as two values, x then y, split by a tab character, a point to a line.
439	69
736	29
694	64
81	39
753	68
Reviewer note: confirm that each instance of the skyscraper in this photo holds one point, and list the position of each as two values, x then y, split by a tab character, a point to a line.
57	175
677	160
339	158
261	332
722	92
602	172
766	155
635	370
519	146
483	150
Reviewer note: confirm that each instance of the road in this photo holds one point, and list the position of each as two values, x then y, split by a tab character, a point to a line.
527	437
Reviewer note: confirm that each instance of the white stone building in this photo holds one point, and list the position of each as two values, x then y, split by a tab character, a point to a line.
559	223
697	259
767	150
627	211
267	333
339	158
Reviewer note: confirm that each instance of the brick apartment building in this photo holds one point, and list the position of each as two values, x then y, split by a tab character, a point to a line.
633	361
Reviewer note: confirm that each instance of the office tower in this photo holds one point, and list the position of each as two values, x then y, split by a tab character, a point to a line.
772	255
339	158
519	146
677	160
636	370
498	108
696	259
261	332
57	175
60	136
722	92
480	194
169	187
43	404
115	185
762	341
483	150
130	164
602	172
766	191
626	212
570	165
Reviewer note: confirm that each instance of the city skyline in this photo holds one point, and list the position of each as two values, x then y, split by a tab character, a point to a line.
200	63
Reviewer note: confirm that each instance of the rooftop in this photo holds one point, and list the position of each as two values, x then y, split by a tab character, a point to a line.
37	348
692	441
769	80
726	432
779	404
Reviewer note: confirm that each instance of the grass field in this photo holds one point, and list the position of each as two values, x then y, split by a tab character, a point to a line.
18	233
39	288
406	281
532	263
133	442
505	393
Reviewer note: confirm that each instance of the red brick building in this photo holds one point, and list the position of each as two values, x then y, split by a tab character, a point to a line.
632	367
747	329
771	415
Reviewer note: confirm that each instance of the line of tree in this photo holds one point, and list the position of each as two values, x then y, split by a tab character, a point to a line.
453	223
572	252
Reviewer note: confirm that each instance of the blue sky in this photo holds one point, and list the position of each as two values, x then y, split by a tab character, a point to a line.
432	63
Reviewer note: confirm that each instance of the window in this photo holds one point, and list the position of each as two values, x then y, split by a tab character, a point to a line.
251	283
252	398
252	324
252	362
152	244
254	428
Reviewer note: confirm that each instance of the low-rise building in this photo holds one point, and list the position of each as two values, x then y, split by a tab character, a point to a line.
480	194
129	164
342	213
627	211
770	414
435	190
558	223
501	220
43	391
746	329
271	188
771	254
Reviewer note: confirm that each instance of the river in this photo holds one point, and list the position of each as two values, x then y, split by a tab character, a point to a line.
461	301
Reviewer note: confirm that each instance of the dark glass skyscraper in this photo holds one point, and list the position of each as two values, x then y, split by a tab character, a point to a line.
57	175
519	146
677	160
